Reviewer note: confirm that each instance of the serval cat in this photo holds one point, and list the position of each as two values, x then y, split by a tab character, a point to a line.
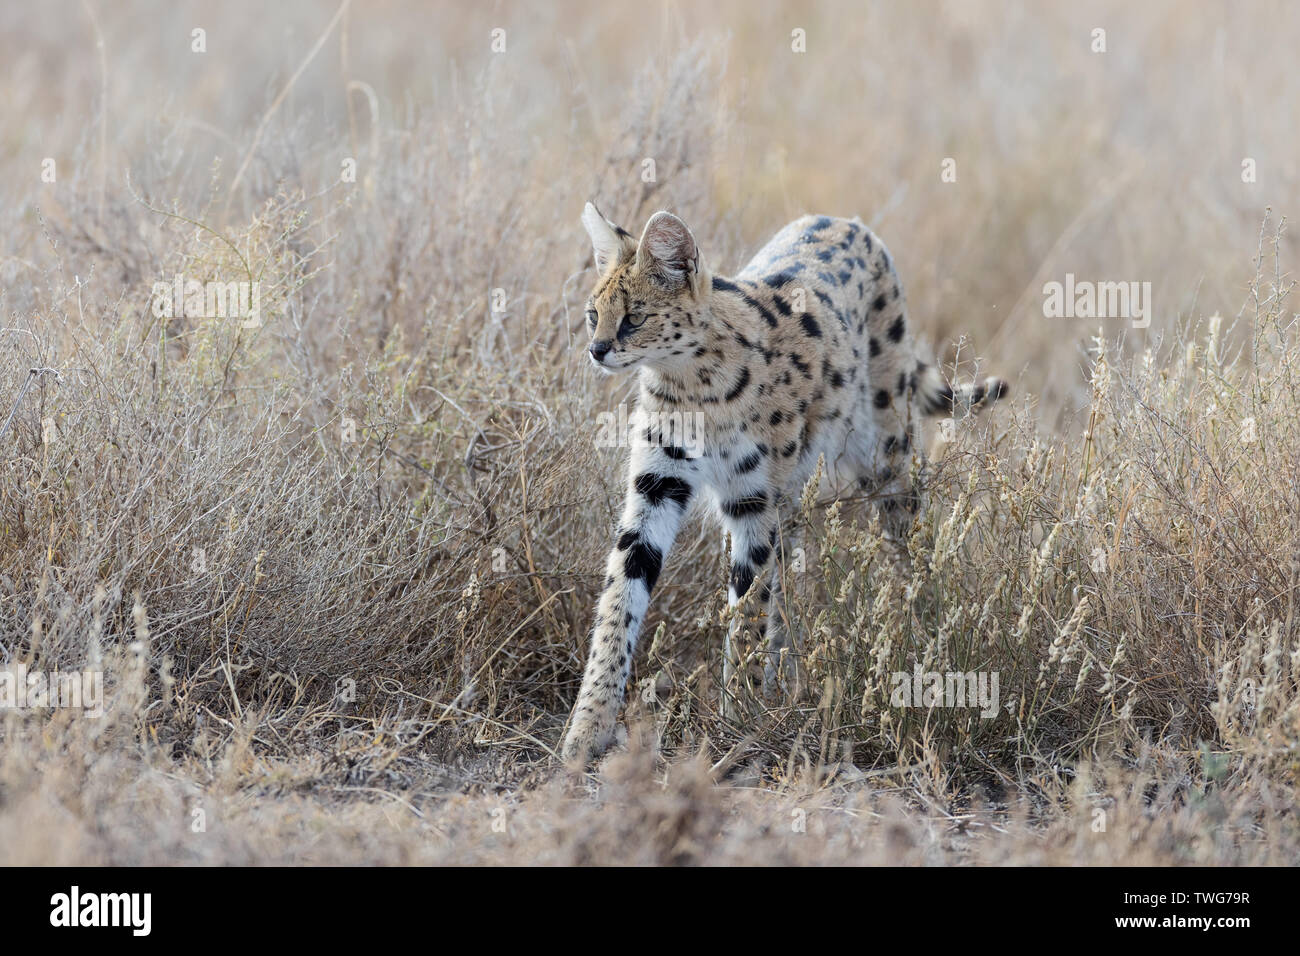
805	353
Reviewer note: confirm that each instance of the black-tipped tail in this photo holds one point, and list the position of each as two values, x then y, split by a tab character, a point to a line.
937	397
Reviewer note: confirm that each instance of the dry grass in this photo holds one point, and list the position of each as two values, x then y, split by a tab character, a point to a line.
363	650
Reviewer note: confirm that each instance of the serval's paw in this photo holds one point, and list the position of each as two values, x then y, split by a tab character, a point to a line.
588	738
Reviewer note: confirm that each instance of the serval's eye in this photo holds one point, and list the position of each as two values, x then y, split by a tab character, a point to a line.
634	321
591	319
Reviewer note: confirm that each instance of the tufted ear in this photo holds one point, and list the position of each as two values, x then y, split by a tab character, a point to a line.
667	250
609	243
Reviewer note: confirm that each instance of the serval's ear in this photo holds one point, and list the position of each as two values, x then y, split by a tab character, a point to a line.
608	241
667	251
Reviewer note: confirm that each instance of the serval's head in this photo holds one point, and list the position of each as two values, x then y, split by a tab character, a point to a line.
649	302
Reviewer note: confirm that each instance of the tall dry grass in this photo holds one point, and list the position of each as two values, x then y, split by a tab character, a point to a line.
338	568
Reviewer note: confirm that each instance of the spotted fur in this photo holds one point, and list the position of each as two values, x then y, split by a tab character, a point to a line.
806	352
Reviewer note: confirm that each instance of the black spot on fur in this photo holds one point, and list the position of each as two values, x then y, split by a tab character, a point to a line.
786	275
722	285
643	563
742	576
741	384
747	506
749	463
896	329
655	488
810	326
660	394
881	398
941	401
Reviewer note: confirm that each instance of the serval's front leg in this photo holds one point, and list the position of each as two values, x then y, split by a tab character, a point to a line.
660	488
752	521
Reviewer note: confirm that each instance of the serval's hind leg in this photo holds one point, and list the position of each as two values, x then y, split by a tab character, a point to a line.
779	667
